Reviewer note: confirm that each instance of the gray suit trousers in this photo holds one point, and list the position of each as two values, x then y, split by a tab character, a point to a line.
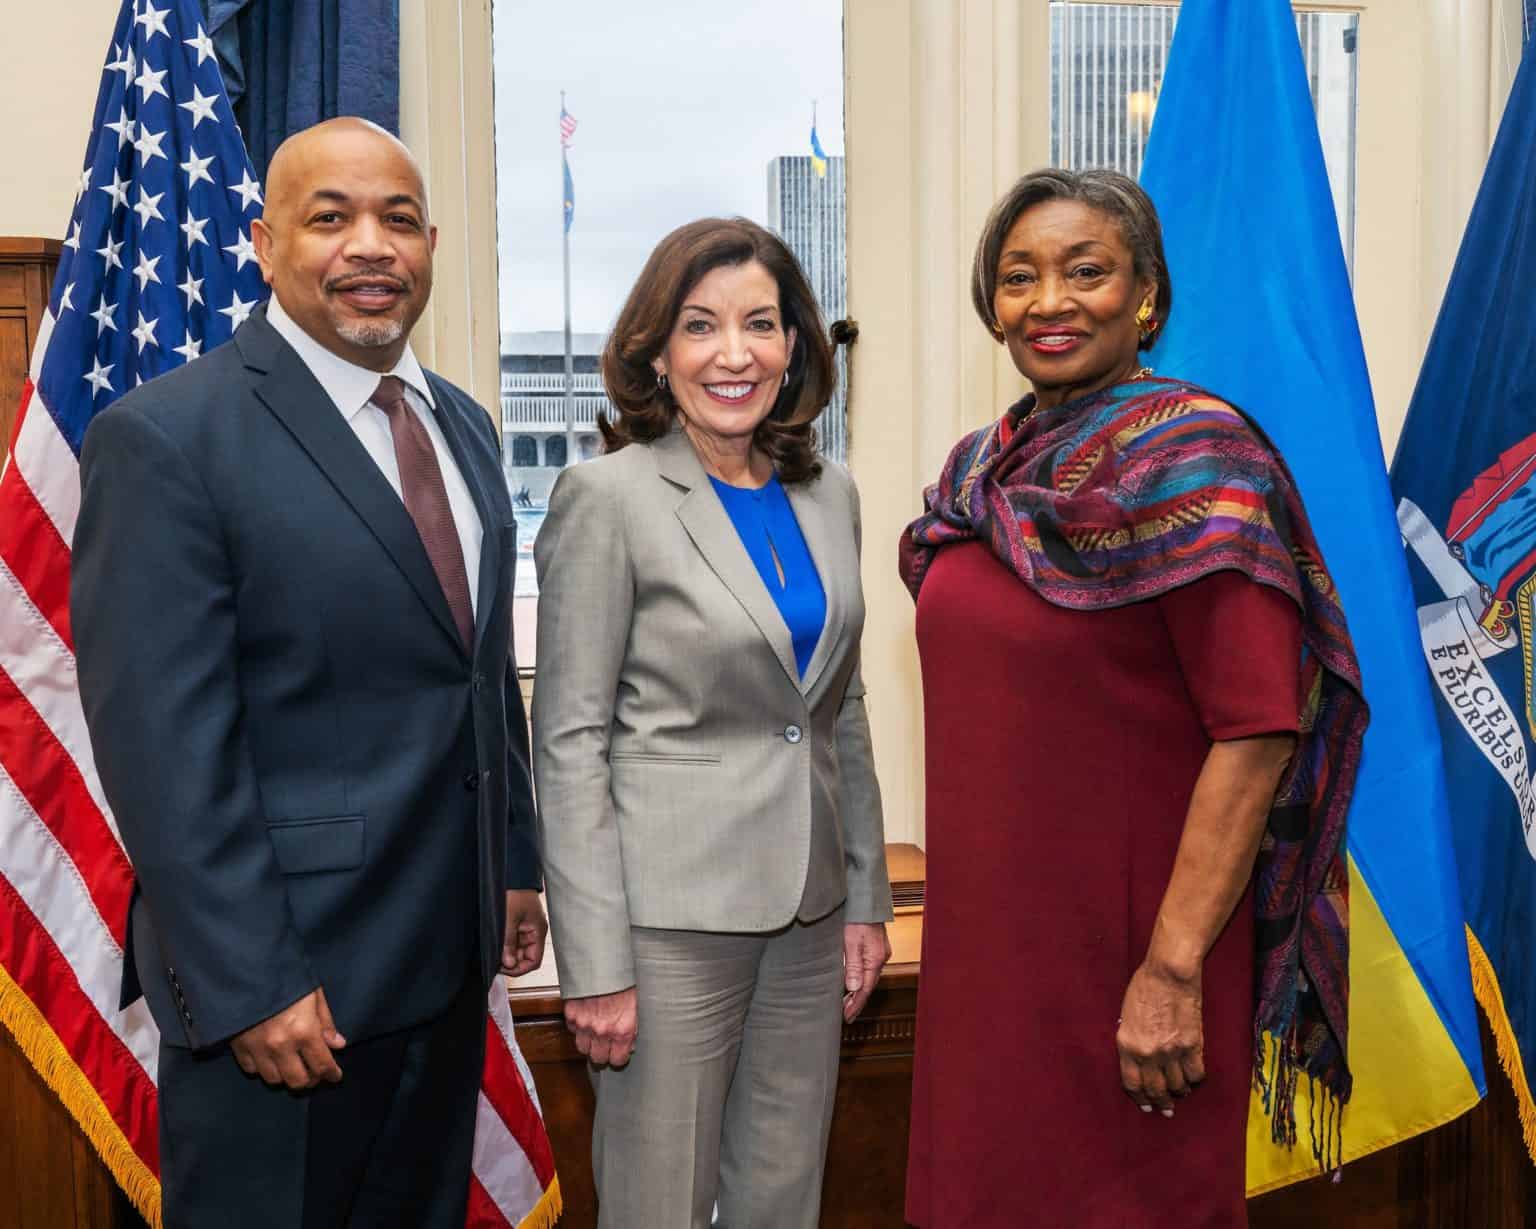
729	1094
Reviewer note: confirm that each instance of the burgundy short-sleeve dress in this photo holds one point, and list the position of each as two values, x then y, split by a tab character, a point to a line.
1062	750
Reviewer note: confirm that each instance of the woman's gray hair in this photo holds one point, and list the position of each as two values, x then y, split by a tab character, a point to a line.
1111	193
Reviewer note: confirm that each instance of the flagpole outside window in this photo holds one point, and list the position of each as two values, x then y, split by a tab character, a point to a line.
568	213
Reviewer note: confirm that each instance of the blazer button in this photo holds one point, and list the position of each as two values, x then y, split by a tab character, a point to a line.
477	683
793	733
471	781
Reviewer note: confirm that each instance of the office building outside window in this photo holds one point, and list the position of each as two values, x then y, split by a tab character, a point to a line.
808	211
1107	65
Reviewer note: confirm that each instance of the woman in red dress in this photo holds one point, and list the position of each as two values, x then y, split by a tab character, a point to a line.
1143	723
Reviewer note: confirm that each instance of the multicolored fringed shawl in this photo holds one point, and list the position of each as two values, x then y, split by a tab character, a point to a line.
1128	493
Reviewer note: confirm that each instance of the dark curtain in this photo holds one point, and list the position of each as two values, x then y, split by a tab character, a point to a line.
291	63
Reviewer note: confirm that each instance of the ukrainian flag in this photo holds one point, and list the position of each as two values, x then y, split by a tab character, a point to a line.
818	155
1264	316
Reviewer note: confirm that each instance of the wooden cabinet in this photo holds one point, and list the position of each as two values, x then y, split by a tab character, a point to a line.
26	279
867	1155
50	1176
1471	1174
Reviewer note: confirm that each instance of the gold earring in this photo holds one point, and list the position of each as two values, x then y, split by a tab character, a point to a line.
1144	315
997	330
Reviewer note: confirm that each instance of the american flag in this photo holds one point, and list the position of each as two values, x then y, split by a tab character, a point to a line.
567	127
157	268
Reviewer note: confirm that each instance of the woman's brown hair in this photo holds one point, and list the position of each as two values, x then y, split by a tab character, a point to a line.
646	411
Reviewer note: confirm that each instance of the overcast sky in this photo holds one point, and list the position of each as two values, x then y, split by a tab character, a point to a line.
680	105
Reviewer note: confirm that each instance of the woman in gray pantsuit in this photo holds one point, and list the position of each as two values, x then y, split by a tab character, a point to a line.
713	844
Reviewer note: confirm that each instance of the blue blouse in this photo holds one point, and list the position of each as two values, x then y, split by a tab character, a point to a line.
767	527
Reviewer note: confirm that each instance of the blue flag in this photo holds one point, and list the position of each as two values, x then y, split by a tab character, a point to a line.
1465	476
1263	316
570	194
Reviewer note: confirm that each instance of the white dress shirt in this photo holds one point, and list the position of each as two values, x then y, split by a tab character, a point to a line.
350	388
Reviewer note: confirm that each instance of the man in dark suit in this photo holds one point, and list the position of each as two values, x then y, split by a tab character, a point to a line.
292	611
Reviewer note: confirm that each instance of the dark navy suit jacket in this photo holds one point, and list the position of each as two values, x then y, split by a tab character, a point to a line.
316	783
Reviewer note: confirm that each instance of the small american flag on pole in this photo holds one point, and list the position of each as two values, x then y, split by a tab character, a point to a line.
157	268
567	127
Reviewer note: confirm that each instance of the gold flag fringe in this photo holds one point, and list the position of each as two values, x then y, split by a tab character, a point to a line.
43	1049
547	1211
1485	984
47	1054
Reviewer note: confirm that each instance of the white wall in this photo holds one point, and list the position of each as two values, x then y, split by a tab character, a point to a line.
47	95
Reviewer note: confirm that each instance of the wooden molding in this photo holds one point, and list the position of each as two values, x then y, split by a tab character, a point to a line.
27	265
29	249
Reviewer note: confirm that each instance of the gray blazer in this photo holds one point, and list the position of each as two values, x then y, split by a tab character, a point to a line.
687	777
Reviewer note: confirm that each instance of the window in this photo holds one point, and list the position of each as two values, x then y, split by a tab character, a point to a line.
671	112
1107	64
525	452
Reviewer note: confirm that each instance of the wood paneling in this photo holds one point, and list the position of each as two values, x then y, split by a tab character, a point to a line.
50	1177
867	1155
1471	1174
866	1178
26	278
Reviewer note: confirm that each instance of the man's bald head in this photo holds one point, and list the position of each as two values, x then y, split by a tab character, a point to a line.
344	239
295	160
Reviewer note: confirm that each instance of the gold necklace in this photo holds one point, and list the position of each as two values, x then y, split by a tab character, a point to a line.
1139	374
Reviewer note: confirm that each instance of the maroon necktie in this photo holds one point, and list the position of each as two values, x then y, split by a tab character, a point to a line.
426	499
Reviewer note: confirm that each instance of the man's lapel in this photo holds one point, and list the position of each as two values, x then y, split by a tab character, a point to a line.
285	386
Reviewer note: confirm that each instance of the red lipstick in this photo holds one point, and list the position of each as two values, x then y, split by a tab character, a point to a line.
1054	339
